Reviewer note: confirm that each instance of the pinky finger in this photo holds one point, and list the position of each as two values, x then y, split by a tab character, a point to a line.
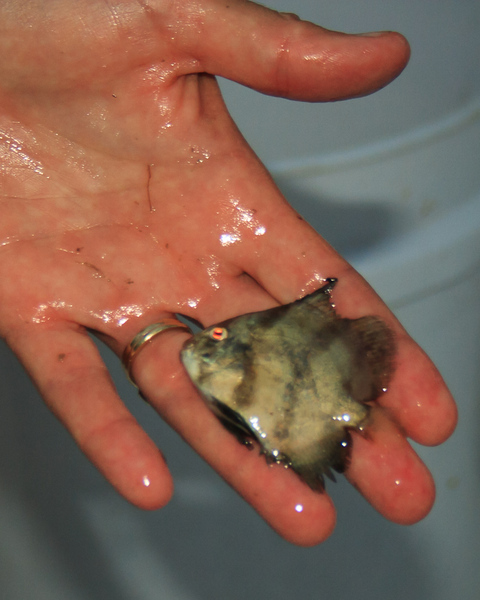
69	373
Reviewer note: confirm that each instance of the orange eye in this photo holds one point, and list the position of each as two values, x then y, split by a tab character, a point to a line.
218	333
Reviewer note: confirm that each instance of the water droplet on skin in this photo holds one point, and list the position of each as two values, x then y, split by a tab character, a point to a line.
212	272
18	156
226	239
121	315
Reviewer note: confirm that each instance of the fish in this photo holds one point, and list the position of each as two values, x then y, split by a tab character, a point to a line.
296	379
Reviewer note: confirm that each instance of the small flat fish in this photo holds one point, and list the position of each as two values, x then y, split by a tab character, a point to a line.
296	379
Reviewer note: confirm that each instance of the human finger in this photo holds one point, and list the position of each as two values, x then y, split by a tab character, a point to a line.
418	398
280	55
293	260
389	474
71	377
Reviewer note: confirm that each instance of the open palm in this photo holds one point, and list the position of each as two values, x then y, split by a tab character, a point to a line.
128	194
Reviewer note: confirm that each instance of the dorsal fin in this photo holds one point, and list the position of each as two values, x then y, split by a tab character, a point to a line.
320	298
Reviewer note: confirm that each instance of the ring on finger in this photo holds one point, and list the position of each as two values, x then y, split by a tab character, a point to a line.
144	337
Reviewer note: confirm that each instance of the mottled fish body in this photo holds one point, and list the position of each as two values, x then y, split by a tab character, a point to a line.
296	378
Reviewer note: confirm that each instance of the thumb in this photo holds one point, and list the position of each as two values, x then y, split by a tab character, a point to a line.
281	55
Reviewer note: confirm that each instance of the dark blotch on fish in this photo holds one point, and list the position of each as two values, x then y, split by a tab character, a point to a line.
296	378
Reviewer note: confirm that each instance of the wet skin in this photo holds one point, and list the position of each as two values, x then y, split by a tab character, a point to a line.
128	194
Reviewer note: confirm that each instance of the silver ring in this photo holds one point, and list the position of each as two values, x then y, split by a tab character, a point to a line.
142	338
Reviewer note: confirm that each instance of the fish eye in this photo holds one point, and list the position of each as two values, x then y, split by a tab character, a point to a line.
218	333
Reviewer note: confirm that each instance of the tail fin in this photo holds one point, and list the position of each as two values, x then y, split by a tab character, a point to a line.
373	350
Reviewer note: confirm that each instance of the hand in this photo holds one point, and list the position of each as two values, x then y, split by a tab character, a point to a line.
128	194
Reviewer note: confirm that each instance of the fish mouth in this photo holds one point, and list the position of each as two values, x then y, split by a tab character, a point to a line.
189	361
187	344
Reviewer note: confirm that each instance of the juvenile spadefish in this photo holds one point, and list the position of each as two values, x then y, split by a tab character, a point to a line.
295	378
